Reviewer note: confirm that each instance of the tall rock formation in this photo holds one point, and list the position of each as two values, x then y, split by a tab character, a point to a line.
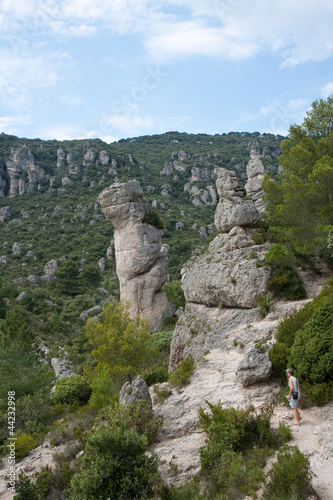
255	173
231	273
24	176
141	260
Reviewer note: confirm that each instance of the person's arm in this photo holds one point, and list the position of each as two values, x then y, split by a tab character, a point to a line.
291	388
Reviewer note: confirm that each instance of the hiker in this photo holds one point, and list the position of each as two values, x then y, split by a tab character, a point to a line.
294	389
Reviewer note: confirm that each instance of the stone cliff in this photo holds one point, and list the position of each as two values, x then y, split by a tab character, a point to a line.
141	260
23	174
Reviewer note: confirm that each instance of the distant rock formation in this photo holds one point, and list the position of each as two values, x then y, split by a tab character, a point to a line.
231	273
141	262
255	173
24	176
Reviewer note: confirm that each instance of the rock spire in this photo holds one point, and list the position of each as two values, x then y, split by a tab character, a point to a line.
141	260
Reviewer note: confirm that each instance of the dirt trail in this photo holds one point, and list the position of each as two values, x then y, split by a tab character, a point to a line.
314	437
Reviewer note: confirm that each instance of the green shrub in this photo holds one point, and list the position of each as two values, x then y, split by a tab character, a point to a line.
25	443
138	416
278	356
312	352
162	340
115	466
158	375
182	374
162	394
235	453
289	477
175	293
284	433
284	282
72	390
26	489
265	305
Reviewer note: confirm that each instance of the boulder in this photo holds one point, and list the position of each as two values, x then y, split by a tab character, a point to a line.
17	249
254	367
135	392
62	368
5	213
51	267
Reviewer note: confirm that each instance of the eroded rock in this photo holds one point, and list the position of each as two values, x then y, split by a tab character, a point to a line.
140	263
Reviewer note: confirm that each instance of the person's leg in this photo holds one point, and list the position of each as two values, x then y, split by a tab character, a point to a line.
297	416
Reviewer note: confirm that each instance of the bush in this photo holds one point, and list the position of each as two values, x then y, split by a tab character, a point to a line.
235	453
72	390
25	443
278	356
284	282
265	305
182	374
175	293
289	477
115	466
312	352
162	340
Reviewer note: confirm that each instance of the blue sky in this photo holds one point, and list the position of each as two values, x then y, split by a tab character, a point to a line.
123	68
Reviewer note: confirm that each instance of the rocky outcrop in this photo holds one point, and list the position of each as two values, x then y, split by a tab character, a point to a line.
24	176
135	392
61	158
232	210
5	213
255	173
231	273
140	262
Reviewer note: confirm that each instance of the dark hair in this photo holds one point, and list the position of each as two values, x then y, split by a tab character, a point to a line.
291	371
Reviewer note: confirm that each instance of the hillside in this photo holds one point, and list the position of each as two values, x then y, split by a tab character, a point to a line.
51	189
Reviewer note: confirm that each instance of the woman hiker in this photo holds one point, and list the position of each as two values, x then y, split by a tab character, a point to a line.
293	384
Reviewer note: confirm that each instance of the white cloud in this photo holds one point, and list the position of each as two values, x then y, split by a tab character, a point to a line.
130	124
72	99
327	90
280	115
21	74
299	31
67	131
10	124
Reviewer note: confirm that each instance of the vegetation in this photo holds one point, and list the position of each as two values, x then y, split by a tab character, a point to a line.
300	202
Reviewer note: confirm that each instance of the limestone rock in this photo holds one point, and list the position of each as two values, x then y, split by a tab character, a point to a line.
234	212
33	280
254	367
89	312
90	157
22	163
62	368
104	157
140	263
61	158
135	392
51	267
22	296
225	277
101	262
17	250
5	213
255	172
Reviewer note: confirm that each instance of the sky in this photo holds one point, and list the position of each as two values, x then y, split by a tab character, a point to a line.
112	69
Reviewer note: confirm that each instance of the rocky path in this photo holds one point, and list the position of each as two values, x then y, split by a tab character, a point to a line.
314	437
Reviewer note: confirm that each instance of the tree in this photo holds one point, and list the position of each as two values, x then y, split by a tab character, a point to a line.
91	275
300	203
120	344
68	278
